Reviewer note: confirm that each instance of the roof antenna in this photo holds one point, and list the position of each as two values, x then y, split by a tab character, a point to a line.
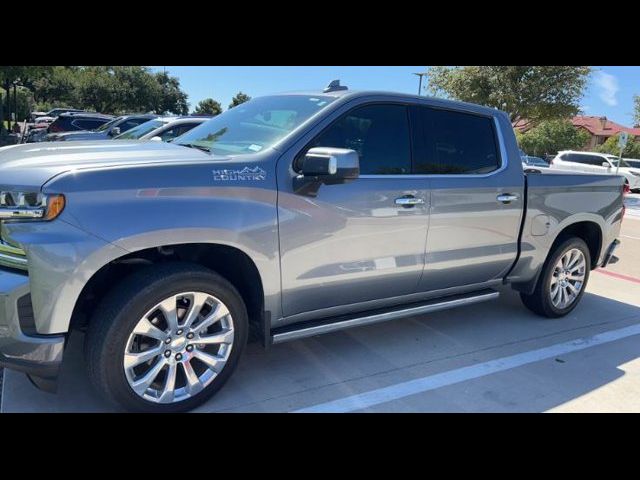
335	87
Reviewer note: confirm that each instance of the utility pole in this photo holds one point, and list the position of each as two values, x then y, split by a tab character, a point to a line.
15	102
423	74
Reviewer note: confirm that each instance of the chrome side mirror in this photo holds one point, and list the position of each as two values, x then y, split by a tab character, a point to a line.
326	165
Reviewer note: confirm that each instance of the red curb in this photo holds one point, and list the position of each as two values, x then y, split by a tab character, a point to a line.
619	275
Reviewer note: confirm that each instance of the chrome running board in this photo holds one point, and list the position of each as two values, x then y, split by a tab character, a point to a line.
309	329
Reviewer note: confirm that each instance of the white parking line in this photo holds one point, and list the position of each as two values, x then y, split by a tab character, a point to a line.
432	382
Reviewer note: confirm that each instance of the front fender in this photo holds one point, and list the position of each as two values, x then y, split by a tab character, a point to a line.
133	209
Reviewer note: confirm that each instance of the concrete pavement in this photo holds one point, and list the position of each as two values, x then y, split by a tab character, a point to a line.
434	352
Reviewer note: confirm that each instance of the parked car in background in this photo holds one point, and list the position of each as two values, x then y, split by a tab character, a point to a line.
104	131
37	129
162	128
69	122
600	163
529	161
54	113
35	132
284	214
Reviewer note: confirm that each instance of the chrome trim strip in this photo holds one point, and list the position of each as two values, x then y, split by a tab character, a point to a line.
13	261
21	213
381	317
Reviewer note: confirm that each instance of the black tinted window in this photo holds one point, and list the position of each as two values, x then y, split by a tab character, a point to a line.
453	143
130	123
176	131
380	135
583	159
87	124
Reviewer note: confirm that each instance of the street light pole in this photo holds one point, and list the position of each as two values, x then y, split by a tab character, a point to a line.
423	74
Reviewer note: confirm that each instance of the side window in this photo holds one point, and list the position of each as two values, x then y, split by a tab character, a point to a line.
585	159
176	131
453	143
380	135
132	122
87	124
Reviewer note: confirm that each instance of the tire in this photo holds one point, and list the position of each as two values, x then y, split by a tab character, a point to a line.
129	305
541	301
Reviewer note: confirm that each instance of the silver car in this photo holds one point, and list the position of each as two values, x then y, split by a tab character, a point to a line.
162	128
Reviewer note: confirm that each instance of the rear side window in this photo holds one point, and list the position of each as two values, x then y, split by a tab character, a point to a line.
87	124
583	159
453	143
380	135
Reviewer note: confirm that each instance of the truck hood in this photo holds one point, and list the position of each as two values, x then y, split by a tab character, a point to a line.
31	165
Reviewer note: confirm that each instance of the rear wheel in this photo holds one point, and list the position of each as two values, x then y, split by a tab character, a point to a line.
562	281
166	339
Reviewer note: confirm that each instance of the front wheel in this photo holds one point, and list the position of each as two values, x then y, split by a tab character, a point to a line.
563	280
166	339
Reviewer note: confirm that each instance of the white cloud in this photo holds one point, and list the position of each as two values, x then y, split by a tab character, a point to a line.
608	85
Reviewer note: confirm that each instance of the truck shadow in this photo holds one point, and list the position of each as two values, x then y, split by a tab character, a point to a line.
306	372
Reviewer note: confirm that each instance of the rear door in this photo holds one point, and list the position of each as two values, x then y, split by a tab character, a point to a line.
476	197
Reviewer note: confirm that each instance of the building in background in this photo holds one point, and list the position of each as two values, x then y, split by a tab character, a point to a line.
598	128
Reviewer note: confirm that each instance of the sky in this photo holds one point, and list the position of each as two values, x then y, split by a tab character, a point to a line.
610	91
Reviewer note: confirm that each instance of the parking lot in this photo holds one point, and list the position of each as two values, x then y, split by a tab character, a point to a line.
493	357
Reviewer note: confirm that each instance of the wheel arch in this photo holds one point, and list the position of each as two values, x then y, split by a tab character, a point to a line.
588	228
229	261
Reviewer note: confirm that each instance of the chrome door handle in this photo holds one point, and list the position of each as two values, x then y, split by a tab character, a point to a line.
507	198
409	201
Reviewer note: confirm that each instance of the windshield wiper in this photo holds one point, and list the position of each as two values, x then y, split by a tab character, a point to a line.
193	145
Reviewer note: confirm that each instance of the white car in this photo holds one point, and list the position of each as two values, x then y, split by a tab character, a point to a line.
592	162
162	128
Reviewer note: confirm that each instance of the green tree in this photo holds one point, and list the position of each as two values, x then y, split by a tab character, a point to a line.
238	99
171	99
534	93
97	90
636	112
121	89
208	106
21	75
551	136
56	88
632	150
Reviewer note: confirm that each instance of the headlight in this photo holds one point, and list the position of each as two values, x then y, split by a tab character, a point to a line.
30	206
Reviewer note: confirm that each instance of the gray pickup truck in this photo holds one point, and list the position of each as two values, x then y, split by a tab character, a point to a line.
288	216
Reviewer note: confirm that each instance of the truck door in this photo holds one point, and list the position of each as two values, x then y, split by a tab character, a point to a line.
358	241
476	197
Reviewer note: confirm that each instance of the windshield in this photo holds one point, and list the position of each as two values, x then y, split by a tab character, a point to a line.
107	125
140	131
255	125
